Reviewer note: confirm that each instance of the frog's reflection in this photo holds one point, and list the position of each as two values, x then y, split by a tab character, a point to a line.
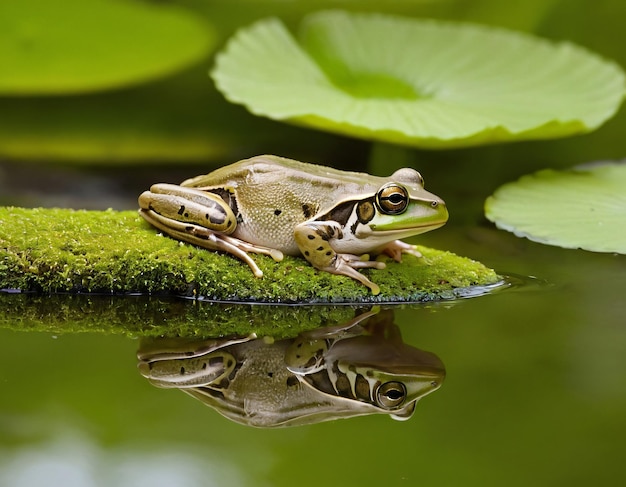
359	367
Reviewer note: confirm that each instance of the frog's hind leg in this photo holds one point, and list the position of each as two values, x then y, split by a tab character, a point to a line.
396	248
275	254
203	237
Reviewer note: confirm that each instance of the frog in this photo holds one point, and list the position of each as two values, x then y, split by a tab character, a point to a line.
359	367
275	206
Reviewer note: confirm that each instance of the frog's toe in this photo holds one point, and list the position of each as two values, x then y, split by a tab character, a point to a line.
277	255
396	248
368	264
347	265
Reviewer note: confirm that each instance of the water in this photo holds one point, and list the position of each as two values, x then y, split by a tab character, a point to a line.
534	395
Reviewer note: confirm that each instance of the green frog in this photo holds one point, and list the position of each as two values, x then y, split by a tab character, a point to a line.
276	206
357	368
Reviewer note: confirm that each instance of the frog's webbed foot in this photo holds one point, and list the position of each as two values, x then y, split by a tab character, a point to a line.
313	241
206	238
396	248
347	265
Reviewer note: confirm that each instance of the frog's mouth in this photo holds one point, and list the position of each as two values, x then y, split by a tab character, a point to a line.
431	218
408	230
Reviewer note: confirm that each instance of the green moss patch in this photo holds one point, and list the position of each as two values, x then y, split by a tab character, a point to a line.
151	316
69	251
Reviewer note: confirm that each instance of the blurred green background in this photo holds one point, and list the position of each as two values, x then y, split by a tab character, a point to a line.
535	388
128	95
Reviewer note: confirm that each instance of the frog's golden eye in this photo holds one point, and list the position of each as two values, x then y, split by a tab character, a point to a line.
391	395
392	199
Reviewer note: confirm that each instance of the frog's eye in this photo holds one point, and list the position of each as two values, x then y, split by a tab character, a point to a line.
392	199
391	395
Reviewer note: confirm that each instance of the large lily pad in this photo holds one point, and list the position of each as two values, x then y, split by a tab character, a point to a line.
584	207
85	45
418	82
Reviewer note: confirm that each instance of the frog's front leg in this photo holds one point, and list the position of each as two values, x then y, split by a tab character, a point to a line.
307	352
314	239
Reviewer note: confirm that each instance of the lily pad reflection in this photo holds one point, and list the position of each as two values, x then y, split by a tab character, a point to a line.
352	369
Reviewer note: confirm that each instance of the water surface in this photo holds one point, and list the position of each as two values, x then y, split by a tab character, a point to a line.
534	395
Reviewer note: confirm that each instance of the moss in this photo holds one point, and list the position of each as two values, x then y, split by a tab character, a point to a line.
76	251
151	316
107	271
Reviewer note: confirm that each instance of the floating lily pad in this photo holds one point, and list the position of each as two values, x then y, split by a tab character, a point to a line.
417	82
86	45
584	207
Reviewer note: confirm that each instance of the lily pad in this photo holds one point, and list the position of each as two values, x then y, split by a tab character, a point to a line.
417	82
89	45
584	207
